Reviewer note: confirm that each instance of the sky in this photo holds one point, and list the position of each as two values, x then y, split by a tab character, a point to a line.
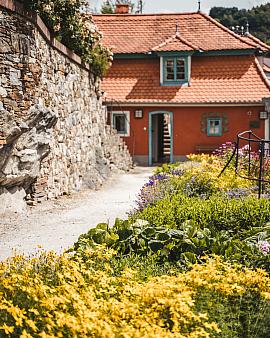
161	6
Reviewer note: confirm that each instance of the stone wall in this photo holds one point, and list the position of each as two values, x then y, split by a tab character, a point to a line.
53	133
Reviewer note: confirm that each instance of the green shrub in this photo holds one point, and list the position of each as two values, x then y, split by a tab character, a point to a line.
215	212
185	245
75	30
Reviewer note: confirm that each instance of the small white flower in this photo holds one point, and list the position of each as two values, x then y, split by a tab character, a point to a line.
47	8
264	247
140	223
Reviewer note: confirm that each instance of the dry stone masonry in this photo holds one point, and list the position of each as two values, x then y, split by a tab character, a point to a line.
53	133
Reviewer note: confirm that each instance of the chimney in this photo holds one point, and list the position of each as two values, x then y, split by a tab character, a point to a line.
122	9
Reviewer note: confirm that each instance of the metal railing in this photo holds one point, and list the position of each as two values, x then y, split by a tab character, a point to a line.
252	157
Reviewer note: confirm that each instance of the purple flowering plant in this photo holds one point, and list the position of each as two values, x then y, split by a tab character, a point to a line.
241	192
158	187
224	151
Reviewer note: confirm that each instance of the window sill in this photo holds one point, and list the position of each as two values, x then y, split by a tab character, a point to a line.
175	84
214	135
123	135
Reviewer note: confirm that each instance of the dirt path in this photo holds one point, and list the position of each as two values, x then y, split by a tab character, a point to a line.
55	225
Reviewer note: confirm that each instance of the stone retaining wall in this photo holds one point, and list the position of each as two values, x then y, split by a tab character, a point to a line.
51	114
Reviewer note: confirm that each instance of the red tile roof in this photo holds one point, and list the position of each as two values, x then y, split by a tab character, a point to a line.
143	33
266	68
266	64
214	79
175	43
260	44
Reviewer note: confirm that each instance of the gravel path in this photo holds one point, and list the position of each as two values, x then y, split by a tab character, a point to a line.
55	225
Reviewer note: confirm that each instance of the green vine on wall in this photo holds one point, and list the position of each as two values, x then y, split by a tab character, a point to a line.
74	29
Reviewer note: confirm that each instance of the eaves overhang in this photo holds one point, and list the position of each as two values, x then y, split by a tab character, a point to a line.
153	54
114	103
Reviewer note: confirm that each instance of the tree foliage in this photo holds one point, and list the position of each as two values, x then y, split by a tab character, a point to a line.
257	17
108	6
66	22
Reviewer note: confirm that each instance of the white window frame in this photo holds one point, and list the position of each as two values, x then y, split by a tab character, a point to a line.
127	121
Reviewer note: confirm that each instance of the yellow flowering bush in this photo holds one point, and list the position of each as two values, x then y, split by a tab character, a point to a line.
85	296
210	167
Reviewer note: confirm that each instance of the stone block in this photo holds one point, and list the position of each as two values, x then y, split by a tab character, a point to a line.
81	147
3	92
12	201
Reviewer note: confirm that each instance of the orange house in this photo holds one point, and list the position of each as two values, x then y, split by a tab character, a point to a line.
181	83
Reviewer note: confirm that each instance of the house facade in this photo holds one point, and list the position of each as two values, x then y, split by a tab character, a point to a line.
182	83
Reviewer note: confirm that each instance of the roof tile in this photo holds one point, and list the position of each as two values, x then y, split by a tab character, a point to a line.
143	33
214	79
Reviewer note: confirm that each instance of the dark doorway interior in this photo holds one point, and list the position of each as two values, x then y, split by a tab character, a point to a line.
161	138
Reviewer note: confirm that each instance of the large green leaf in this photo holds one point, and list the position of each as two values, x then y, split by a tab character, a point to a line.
156	245
189	257
99	236
124	234
163	236
149	232
102	226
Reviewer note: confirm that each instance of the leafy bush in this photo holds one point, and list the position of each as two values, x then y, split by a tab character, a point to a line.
181	216
75	30
88	296
185	244
248	160
215	212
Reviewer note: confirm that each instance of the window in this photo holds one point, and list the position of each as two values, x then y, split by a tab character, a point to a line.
121	122
214	126
174	70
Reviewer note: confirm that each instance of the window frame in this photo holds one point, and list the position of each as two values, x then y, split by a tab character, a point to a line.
175	82
220	132
127	122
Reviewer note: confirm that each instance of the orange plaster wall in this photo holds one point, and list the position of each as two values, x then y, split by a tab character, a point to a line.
187	127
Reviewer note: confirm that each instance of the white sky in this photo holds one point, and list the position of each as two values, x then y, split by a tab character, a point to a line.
159	6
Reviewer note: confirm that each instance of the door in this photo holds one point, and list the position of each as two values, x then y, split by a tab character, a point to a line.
160	137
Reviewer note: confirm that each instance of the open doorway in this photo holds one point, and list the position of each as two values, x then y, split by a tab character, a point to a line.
160	137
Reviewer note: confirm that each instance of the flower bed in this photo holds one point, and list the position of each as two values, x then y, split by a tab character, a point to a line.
191	260
96	294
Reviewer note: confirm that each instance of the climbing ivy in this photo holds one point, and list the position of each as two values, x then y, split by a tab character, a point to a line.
74	29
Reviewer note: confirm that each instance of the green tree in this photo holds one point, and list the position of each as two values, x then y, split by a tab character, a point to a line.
66	22
257	17
108	6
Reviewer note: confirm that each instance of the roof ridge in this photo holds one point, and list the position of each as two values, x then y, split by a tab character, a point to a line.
209	18
258	41
164	43
144	14
175	36
184	40
262	73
